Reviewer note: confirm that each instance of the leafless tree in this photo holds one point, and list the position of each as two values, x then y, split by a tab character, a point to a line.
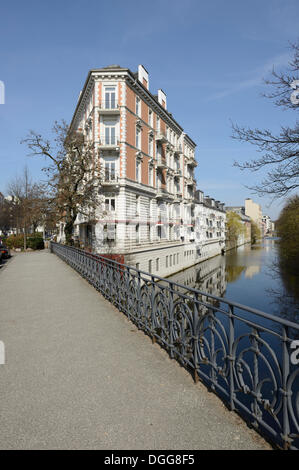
279	152
5	214
72	177
28	203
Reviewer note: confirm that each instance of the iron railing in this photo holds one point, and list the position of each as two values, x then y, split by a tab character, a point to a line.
244	355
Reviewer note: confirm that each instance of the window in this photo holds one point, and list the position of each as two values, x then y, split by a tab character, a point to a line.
110	98
159	232
110	174
150	266
150	145
109	136
170	260
110	204
150	117
166	261
150	175
138	266
109	232
157	264
138	140
137	233
137	170
138	106
137	205
158	123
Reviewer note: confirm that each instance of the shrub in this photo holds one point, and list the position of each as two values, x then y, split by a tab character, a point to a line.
34	241
287	228
15	241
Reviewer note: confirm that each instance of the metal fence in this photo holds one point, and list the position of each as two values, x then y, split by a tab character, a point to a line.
244	355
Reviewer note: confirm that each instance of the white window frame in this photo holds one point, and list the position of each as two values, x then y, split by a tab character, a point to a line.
138	106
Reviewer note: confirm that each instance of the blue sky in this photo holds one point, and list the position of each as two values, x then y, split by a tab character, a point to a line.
209	57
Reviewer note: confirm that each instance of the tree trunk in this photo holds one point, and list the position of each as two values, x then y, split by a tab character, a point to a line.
25	239
69	228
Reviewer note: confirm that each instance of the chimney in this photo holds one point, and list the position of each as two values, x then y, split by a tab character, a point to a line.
162	98
143	76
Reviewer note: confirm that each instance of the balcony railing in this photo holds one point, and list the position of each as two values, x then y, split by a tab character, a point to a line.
178	196
161	136
110	177
190	181
191	161
161	193
246	356
109	107
178	149
177	173
109	141
161	163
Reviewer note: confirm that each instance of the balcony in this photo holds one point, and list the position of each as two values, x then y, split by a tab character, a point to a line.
161	193
109	142
191	161
177	173
110	178
178	149
108	107
188	197
161	136
190	181
161	163
178	197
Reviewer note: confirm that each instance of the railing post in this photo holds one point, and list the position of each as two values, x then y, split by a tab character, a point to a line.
195	338
153	291
212	357
171	320
139	312
231	357
285	393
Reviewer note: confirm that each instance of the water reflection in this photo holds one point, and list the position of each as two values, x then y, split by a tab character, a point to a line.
208	276
248	275
252	271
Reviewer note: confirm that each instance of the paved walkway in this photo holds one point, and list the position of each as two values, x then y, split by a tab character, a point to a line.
79	375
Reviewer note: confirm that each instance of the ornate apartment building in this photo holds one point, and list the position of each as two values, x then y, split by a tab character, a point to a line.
147	207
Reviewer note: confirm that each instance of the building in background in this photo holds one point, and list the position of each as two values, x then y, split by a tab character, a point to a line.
246	221
254	211
268	225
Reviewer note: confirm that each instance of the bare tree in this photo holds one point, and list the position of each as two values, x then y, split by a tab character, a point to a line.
28	203
279	152
72	177
5	215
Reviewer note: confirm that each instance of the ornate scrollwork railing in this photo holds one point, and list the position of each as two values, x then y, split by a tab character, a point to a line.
243	354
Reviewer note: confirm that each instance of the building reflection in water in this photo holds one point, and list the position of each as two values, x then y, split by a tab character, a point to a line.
261	263
208	276
251	271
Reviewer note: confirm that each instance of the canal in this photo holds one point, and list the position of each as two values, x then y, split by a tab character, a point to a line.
249	275
262	374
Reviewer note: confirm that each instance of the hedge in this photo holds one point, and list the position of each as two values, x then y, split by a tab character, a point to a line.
34	241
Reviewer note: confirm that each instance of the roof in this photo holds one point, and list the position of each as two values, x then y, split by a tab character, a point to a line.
134	76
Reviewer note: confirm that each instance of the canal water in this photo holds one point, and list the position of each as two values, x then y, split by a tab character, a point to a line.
248	275
251	276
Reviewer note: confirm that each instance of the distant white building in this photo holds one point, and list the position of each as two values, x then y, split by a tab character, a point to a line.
269	226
